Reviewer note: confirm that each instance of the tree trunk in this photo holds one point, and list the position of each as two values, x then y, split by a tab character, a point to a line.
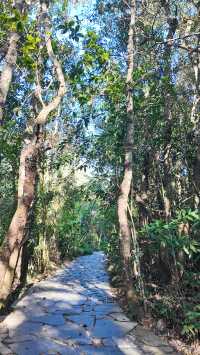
196	123
10	61
168	118
142	198
125	188
15	237
7	72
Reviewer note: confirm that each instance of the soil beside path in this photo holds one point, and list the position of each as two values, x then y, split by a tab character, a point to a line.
75	312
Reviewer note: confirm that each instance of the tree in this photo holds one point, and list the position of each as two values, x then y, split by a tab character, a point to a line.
125	188
32	145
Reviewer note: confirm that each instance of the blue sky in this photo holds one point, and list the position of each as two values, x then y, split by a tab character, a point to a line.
81	8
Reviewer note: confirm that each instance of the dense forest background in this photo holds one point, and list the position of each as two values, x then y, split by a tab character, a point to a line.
100	148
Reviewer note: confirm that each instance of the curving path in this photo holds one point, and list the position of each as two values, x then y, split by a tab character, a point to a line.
75	312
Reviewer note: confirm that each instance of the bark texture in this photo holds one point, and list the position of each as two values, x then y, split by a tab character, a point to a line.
14	238
125	187
7	71
10	60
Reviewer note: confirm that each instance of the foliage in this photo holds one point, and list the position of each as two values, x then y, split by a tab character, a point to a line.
192	321
170	235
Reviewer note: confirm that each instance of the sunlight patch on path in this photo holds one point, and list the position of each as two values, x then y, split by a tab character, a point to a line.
75	312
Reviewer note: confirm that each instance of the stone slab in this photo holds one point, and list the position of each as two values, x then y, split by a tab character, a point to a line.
74	313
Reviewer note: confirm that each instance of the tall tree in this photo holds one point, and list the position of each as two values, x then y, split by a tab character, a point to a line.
125	187
168	193
32	145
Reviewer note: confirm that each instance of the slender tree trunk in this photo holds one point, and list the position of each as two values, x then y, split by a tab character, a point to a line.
7	71
142	198
125	188
196	123
10	61
167	165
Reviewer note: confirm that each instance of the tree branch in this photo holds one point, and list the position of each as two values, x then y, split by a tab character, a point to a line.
51	106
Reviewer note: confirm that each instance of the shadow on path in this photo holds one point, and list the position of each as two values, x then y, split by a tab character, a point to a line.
74	312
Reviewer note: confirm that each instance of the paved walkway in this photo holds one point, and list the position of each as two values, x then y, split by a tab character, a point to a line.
75	312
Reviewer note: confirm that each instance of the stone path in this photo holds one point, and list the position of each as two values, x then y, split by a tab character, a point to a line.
75	312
